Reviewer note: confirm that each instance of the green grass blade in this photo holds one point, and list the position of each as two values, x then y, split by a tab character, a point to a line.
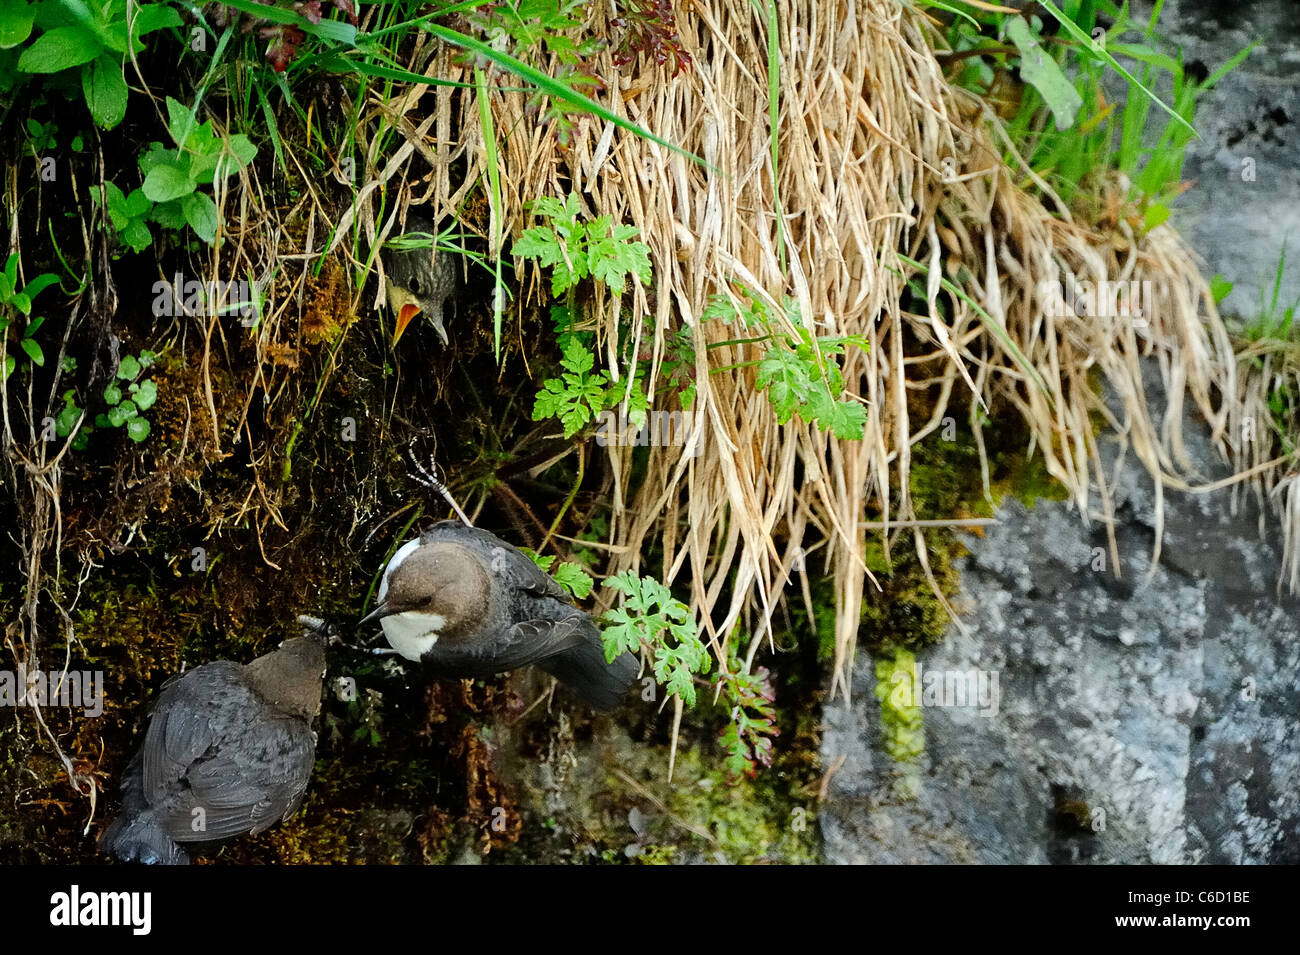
1091	46
333	31
549	85
494	200
340	62
271	128
949	8
1236	61
1277	282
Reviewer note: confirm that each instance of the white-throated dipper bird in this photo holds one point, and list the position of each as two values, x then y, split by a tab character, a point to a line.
467	604
229	750
418	280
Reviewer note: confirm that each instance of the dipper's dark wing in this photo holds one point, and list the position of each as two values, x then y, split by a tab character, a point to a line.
255	781
504	562
185	723
586	672
524	643
213	745
569	649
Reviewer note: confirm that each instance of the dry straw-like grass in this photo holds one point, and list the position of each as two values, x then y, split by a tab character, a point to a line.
867	121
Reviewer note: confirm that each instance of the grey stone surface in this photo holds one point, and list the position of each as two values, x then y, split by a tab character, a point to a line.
1169	701
1239	226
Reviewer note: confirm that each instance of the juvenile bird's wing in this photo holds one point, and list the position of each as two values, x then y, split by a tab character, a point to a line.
213	745
504	562
183	726
257	779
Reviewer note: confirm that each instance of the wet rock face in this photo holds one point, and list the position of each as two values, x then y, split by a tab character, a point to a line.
1246	198
1153	718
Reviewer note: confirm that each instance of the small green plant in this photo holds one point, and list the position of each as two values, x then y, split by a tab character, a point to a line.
568	575
1274	320
67	419
84	38
747	737
800	380
901	720
127	396
368	714
173	175
27	343
796	371
14	300
652	618
678	367
41	137
579	394
573	251
597	530
129	215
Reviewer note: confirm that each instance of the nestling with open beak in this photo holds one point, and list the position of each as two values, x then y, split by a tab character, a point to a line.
419	280
467	604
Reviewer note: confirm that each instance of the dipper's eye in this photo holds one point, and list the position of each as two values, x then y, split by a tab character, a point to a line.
415	284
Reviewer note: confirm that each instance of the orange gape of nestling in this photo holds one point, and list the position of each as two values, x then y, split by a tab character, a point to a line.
419	281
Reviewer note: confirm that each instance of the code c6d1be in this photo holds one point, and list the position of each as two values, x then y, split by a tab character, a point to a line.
1164	898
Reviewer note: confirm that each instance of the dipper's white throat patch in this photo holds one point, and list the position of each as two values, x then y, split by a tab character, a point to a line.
413	632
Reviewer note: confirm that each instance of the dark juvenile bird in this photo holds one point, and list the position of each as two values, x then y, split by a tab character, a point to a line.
419	280
467	604
229	750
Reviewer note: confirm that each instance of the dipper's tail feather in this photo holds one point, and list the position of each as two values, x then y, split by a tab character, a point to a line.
135	836
583	670
140	840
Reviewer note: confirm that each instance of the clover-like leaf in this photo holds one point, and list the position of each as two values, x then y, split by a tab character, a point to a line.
128	369
144	394
137	429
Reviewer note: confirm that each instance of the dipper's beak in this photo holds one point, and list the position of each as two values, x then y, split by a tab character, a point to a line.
380	611
404	316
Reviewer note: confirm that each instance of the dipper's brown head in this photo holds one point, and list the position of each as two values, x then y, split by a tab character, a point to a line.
290	678
431	591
